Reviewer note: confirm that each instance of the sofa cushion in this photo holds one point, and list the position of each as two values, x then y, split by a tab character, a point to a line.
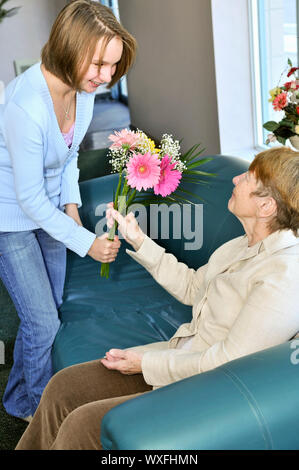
127	309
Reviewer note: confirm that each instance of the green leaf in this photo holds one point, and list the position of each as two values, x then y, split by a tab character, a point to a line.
281	140
271	126
287	123
198	172
188	155
196	163
190	180
12	11
190	193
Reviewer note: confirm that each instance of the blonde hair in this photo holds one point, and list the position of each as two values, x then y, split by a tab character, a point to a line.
277	173
73	39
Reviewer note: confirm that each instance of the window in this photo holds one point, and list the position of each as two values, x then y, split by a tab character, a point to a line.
274	41
120	90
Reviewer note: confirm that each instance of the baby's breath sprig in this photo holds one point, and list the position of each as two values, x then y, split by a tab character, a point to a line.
118	159
172	147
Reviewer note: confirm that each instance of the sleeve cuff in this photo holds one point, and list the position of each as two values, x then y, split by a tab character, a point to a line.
149	254
162	368
81	241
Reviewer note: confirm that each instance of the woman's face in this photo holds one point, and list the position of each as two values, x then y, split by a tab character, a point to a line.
242	203
96	76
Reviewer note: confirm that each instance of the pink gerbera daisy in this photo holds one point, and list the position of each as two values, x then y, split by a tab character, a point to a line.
169	178
280	101
143	171
125	139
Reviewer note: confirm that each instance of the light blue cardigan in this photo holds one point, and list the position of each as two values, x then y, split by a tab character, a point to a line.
38	172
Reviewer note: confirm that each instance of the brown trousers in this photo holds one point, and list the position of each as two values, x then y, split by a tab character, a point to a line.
73	404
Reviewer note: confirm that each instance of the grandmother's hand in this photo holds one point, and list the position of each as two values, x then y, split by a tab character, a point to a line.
128	226
126	361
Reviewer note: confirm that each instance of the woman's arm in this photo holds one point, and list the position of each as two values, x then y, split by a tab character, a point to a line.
177	278
269	317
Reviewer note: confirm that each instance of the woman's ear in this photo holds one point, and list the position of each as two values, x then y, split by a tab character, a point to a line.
267	207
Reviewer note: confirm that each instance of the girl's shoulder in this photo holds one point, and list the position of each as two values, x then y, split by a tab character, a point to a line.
28	93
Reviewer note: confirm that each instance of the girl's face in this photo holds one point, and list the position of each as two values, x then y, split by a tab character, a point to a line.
96	76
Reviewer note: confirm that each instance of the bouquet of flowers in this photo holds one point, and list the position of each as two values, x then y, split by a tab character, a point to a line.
285	98
148	170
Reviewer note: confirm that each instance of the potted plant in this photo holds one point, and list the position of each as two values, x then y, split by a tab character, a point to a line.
285	98
5	13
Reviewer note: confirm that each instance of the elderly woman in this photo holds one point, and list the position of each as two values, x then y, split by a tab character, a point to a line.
46	114
244	299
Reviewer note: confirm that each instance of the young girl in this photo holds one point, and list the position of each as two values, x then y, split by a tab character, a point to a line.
46	113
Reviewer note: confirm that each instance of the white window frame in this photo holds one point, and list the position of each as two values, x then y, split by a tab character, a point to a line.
257	98
256	75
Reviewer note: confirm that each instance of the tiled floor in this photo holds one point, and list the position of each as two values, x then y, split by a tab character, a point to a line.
108	116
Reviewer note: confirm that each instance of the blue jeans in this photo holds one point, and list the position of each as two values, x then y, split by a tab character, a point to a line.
32	268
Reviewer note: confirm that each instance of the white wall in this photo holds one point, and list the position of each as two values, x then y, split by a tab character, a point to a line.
172	86
22	36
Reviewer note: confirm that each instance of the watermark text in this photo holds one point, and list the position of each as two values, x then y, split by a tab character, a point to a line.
295	354
2	353
165	222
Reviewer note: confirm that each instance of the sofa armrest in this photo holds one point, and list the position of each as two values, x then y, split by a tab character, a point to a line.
249	403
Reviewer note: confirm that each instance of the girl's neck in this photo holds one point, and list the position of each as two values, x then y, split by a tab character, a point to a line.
58	89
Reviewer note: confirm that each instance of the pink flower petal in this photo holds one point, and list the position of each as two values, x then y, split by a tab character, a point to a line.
143	171
169	178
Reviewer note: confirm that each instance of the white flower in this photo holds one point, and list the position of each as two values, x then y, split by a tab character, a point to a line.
271	138
118	159
169	146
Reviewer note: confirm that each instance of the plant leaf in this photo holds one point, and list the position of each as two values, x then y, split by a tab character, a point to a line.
271	126
198	172
12	11
190	193
2	2
196	163
282	140
188	155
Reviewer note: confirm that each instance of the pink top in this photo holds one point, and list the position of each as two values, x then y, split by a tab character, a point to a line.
68	136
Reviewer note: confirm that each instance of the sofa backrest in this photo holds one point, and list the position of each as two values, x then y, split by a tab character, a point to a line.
209	224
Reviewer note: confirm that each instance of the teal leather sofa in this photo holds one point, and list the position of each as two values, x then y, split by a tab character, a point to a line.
250	403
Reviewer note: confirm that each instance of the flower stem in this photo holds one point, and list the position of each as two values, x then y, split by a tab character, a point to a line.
120	203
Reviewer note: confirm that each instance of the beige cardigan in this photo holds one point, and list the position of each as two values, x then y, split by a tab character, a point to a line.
244	299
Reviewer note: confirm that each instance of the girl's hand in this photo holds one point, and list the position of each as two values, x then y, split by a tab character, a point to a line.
104	250
128	226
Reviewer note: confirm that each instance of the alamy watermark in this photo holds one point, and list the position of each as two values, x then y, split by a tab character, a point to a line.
176	221
2	353
295	354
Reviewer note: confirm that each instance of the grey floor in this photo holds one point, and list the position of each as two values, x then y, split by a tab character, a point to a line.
108	116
